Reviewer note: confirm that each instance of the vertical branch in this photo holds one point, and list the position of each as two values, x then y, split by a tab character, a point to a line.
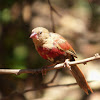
51	15
90	3
52	20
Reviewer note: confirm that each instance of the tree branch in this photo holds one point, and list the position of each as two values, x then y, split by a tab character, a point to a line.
58	66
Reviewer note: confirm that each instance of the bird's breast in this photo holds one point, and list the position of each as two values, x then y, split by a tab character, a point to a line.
50	54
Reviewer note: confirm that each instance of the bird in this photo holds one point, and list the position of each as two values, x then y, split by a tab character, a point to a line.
56	49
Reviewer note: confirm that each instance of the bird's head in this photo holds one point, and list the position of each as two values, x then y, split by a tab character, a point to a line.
39	33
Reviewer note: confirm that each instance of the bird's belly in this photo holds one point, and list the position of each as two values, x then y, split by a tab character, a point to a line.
51	54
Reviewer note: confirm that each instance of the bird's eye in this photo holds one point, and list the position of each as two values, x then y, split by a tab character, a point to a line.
40	32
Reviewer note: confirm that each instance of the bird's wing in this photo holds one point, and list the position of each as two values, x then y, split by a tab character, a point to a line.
62	44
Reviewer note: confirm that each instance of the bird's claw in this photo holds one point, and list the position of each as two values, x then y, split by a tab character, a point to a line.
66	64
44	71
97	54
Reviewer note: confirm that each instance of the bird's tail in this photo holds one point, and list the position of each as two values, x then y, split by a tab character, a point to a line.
80	78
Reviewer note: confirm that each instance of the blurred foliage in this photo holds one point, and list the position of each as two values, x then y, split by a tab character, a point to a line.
80	24
6	16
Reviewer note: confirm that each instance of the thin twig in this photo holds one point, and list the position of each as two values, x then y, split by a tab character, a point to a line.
56	12
41	87
91	5
51	15
52	9
52	80
84	61
58	66
53	86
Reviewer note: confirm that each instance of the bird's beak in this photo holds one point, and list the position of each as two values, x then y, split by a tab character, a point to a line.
33	34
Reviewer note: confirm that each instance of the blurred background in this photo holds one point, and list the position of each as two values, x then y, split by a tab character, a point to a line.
79	23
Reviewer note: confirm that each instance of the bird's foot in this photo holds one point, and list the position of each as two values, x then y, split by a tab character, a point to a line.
66	64
43	71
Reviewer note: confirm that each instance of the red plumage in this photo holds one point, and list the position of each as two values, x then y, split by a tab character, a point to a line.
53	53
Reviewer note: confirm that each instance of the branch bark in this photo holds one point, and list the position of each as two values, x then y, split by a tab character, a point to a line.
58	66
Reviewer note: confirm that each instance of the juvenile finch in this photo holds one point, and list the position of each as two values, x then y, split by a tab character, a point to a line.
55	48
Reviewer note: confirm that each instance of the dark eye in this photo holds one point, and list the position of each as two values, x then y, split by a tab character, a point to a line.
40	33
